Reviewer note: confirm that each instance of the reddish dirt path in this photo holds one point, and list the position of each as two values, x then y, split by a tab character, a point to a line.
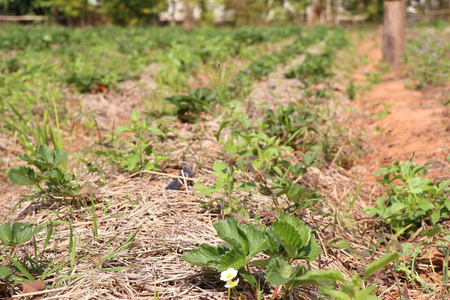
401	123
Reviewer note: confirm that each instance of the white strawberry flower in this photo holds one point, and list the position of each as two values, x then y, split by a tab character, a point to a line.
228	275
231	284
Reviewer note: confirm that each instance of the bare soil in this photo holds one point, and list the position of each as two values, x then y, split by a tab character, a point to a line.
400	123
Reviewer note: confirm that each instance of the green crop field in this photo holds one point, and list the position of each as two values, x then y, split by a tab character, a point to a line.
164	163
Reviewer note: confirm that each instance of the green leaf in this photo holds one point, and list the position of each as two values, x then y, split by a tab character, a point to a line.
310	251
447	205
293	235
5	272
60	157
339	243
314	275
205	191
250	279
366	293
131	162
261	262
22	175
279	270
54	173
232	259
22	232
435	217
381	171
247	187
46	154
256	239
397	206
135	115
308	158
229	231
156	131
121	129
47	158
444	185
220	167
379	264
17	233
6	235
298	193
19	266
204	256
148	150
38	162
418	184
425	205
337	295
272	240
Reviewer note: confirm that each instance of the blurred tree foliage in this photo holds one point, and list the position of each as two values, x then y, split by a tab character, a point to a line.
22	7
373	9
238	12
134	12
298	8
72	8
247	12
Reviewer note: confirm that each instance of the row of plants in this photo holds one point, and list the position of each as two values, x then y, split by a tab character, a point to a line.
263	163
141	39
428	60
48	173
147	132
45	61
260	156
204	99
410	202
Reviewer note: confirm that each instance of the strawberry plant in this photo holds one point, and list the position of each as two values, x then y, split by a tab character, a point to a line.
225	184
410	198
188	108
142	154
50	165
13	235
283	243
290	124
288	239
314	70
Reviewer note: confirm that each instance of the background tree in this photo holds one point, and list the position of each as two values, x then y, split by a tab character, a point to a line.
373	9
189	20
133	12
298	9
247	12
23	7
74	11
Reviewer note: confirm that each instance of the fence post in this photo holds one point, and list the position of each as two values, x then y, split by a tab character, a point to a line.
394	32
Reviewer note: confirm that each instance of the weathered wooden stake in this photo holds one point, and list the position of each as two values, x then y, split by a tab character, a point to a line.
394	32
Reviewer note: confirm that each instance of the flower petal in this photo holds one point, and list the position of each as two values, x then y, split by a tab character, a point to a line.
228	274
231	283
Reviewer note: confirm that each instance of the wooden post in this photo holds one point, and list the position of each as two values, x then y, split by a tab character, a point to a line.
188	22
394	32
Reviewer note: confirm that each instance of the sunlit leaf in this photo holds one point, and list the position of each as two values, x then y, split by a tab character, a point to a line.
232	259
5	272
22	175
380	264
204	256
279	271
